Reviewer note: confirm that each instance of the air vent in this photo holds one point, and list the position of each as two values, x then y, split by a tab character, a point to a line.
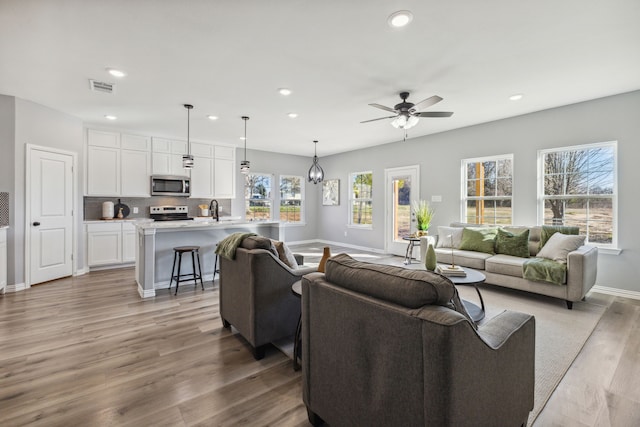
101	86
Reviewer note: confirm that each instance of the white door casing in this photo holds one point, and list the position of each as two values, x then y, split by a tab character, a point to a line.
49	199
399	219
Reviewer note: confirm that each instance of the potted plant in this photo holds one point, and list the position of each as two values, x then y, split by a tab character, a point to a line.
424	214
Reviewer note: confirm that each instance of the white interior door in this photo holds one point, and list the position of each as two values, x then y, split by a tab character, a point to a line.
402	189
49	214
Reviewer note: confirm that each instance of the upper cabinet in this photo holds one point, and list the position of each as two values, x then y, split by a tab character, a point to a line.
118	164
167	157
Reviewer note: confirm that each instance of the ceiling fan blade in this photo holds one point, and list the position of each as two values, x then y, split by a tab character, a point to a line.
381	118
432	100
434	114
382	107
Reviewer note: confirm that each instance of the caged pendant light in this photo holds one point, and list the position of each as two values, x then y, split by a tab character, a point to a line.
245	165
187	159
316	174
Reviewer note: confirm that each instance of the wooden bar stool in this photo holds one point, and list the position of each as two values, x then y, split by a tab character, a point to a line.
177	256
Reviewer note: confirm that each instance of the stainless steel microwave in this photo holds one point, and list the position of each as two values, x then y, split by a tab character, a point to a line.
170	185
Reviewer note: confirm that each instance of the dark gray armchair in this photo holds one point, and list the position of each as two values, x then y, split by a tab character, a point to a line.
256	296
388	346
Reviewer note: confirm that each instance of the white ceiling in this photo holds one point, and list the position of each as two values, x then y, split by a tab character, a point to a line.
228	58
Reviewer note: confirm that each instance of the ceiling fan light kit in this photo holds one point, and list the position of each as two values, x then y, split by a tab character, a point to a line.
245	165
316	174
187	159
407	114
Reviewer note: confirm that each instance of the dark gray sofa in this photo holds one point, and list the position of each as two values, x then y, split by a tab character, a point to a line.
388	346
256	296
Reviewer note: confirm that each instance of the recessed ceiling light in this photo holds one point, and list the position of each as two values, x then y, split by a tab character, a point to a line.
400	18
516	97
293	115
212	117
284	91
116	73
110	117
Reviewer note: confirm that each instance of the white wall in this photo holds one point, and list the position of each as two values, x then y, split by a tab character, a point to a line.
39	125
281	164
439	157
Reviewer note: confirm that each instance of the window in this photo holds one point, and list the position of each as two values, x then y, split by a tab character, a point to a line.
488	190
578	188
257	194
360	199
291	199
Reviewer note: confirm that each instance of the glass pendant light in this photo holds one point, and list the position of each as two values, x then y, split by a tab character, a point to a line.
187	159
316	174
245	165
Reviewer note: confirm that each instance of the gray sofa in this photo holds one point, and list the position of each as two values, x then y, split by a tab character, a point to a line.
390	346
256	296
506	270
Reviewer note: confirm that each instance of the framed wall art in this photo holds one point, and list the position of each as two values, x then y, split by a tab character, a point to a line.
331	192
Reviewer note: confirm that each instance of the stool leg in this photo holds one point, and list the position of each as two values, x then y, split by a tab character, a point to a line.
173	269
178	278
193	265
215	268
200	270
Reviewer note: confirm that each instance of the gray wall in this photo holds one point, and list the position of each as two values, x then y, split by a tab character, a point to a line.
439	157
281	164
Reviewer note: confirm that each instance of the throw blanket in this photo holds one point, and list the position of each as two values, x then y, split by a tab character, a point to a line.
227	246
544	270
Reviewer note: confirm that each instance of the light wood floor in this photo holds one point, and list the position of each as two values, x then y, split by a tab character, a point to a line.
87	351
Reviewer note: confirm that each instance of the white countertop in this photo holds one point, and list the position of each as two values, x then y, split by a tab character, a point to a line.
198	224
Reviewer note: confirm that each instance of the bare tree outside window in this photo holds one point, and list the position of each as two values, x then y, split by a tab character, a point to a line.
291	199
361	198
579	187
258	199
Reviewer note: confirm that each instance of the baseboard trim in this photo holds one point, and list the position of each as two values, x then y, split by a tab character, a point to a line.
16	287
148	293
82	271
616	292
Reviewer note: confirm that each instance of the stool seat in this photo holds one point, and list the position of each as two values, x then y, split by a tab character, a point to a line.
177	257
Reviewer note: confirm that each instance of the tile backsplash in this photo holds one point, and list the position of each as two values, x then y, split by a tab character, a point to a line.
4	209
93	205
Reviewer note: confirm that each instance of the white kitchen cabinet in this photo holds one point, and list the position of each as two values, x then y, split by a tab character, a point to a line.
128	242
103	171
167	157
202	178
118	164
110	243
224	179
135	173
3	260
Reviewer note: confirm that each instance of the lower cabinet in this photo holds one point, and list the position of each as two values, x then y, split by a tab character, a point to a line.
111	243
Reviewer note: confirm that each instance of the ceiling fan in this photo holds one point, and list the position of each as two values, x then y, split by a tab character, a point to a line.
406	114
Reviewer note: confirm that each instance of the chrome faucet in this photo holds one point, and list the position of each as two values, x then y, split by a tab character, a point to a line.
215	213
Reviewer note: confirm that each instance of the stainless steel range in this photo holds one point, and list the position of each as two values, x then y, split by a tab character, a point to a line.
170	213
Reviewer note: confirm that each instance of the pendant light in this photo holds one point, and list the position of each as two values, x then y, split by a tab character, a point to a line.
245	165
187	159
316	174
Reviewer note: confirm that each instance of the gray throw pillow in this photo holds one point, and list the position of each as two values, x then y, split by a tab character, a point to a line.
449	237
559	245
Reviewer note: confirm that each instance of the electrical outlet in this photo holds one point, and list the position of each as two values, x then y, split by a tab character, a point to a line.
345	233
436	198
135	209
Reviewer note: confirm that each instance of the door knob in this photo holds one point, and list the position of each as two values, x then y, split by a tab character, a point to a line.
35	224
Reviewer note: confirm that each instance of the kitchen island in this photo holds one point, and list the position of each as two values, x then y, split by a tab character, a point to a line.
155	242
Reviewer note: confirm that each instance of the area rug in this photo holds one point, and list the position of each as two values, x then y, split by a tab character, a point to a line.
560	333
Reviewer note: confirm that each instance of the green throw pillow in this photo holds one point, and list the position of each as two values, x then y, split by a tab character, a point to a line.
549	230
479	239
513	244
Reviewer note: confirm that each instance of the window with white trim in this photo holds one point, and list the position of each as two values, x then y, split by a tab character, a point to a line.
361	199
578	187
487	193
258	198
291	199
